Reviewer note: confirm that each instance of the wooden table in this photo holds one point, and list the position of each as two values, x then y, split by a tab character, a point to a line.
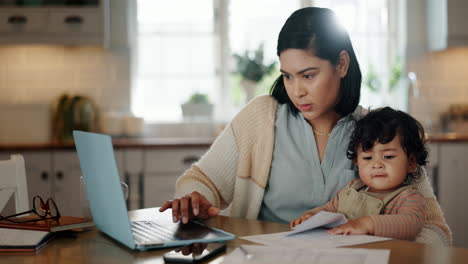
94	247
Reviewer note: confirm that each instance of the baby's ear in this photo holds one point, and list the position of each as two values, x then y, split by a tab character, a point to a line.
412	165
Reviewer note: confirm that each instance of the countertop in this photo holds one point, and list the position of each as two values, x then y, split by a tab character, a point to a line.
120	143
155	143
447	137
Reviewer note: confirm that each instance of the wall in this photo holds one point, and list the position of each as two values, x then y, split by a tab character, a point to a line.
442	81
39	74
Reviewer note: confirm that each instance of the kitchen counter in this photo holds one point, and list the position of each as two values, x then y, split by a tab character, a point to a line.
154	143
120	143
447	137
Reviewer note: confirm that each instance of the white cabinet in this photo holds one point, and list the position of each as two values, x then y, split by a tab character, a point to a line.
53	174
55	25
150	174
65	179
432	166
453	183
132	175
162	168
446	23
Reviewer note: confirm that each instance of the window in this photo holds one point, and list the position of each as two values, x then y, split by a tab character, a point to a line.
174	56
248	28
186	46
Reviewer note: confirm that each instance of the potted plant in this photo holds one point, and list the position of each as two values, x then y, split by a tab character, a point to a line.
252	69
197	106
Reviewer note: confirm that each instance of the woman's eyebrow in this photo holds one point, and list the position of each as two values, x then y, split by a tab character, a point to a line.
301	71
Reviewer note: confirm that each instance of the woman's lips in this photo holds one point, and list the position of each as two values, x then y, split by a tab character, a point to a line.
305	107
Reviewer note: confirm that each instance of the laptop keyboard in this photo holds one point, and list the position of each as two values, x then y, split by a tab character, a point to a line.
151	232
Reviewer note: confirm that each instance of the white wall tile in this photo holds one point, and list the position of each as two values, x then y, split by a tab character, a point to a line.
442	79
41	73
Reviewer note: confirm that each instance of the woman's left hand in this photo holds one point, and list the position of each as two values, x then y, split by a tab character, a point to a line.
361	226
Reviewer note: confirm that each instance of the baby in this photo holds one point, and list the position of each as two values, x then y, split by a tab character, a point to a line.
387	146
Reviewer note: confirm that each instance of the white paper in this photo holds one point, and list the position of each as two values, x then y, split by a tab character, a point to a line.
261	254
20	237
315	238
322	218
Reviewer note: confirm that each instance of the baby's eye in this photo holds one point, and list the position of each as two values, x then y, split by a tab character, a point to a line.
389	157
366	158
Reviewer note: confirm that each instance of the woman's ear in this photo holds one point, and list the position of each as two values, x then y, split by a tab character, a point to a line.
343	63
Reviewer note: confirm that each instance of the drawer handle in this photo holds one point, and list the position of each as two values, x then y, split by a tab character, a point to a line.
17	20
73	20
189	160
60	175
44	176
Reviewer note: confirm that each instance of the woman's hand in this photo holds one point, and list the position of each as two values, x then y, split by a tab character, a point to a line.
190	206
301	219
361	226
194	249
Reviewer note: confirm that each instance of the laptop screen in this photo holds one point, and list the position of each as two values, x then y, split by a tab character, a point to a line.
102	181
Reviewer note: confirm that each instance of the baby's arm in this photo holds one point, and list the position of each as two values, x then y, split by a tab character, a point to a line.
360	226
404	223
331	206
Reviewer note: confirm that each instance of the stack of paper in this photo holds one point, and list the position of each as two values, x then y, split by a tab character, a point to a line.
309	234
261	254
22	240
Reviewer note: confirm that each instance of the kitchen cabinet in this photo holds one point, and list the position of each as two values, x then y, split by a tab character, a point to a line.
54	174
69	25
432	166
453	183
162	168
446	23
132	174
65	180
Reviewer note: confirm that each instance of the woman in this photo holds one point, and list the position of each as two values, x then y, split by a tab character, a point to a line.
286	153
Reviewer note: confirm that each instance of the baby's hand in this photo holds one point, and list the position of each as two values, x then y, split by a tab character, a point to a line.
301	219
361	226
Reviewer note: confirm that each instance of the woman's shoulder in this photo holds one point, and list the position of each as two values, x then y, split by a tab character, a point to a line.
266	103
260	109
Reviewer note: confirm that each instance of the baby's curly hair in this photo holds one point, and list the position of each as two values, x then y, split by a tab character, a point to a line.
381	125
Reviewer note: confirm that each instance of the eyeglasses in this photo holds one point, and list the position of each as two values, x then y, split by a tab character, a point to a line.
45	210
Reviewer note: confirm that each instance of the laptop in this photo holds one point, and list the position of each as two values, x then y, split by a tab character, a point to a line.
109	210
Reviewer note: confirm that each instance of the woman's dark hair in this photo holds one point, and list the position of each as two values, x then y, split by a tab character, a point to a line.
381	125
317	30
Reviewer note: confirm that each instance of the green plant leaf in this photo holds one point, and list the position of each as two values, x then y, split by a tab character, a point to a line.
198	98
250	65
372	80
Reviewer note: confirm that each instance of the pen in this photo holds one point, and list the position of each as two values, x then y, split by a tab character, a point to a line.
246	253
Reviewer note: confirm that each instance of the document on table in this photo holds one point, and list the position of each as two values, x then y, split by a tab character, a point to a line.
322	218
310	234
262	254
315	238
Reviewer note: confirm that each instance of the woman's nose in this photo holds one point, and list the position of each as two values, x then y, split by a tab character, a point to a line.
299	90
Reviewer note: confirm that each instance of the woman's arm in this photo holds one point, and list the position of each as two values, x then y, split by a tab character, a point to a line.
209	184
214	174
